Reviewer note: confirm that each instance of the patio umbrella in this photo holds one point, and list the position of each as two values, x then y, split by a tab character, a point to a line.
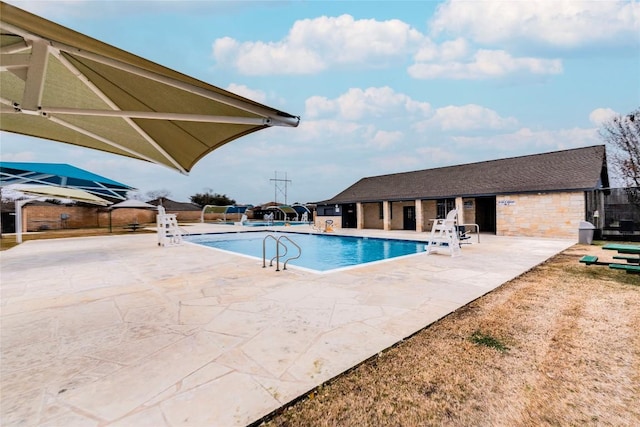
63	175
62	85
51	192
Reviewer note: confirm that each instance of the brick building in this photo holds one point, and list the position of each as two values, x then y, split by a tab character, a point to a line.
542	195
40	216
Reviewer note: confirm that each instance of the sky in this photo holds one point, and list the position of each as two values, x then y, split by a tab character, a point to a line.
381	86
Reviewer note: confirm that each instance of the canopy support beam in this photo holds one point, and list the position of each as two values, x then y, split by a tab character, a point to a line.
204	118
34	85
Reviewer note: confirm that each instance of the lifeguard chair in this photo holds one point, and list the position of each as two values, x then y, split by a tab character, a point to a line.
168	231
444	235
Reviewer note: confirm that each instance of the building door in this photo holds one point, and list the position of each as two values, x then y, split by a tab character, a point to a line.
486	213
349	216
409	218
8	222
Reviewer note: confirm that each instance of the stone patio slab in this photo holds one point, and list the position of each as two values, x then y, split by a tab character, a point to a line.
116	331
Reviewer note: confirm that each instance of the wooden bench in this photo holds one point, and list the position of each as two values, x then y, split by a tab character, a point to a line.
629	268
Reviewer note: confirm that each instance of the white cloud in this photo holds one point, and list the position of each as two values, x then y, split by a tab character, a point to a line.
21	156
328	132
253	94
483	64
438	155
313	45
532	141
464	118
386	139
278	58
563	23
356	104
318	106
395	163
601	115
448	51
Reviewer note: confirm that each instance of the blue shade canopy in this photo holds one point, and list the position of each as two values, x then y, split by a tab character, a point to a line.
62	175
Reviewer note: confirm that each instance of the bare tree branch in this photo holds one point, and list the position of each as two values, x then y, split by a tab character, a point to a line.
622	136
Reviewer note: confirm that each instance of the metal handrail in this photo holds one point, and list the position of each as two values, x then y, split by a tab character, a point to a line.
294	244
278	255
264	251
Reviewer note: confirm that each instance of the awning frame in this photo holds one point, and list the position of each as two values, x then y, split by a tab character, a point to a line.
61	175
39	178
36	69
29	57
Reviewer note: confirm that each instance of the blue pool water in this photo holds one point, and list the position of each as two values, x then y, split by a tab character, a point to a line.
320	252
271	223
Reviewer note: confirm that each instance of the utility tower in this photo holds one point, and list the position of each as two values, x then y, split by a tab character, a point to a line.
280	187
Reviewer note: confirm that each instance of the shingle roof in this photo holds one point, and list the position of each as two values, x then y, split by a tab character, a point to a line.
575	169
173	206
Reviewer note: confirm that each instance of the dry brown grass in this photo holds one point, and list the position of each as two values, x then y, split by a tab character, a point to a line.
572	357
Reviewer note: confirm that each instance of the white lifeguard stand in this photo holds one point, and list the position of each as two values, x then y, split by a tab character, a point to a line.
168	231
444	235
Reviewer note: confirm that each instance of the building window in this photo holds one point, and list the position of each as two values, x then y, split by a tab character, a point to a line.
326	210
444	206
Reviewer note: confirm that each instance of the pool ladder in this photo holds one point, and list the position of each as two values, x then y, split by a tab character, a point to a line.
279	243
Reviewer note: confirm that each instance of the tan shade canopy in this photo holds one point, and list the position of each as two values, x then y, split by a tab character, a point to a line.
61	85
64	193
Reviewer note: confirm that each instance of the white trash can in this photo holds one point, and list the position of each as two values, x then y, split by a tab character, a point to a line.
585	233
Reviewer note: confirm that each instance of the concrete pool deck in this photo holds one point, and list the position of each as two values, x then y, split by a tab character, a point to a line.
116	331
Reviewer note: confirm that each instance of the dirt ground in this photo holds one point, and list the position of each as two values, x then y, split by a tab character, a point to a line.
560	345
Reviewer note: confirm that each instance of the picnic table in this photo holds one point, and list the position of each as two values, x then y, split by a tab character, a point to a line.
133	226
628	253
631	252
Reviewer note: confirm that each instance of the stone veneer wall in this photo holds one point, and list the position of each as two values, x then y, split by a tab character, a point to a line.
469	211
397	215
372	218
540	215
319	221
429	212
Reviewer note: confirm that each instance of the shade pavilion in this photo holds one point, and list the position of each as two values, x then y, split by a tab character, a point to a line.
52	192
58	84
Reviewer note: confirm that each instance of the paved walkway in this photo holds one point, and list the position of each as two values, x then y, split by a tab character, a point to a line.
116	331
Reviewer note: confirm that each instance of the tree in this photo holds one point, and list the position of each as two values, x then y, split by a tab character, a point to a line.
158	194
211	198
622	136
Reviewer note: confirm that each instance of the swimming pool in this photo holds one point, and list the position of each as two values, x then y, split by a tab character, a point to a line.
320	252
272	223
